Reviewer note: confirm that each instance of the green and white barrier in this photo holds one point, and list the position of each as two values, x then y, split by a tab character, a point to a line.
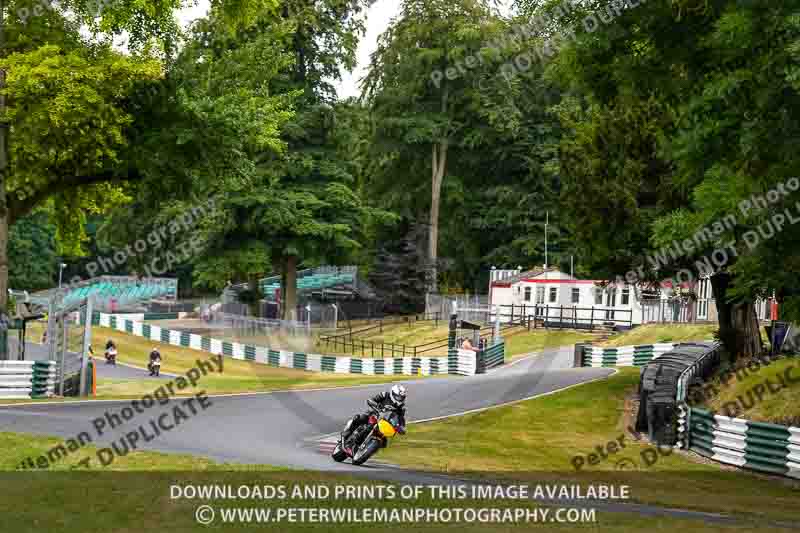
462	362
758	446
27	379
43	379
598	356
494	355
471	362
409	366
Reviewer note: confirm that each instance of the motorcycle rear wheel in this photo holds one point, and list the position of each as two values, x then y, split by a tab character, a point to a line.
366	450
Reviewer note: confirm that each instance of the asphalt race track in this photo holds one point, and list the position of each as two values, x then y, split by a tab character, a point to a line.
38	352
286	428
123	371
283	428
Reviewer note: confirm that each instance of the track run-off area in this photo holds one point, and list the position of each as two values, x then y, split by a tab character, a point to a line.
283	428
286	428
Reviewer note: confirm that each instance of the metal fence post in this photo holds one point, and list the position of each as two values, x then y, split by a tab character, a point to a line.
87	340
496	329
63	347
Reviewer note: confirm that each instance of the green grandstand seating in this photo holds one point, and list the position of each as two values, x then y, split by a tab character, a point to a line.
315	282
124	292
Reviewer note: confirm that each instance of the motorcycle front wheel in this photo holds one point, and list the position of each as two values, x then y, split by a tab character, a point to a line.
338	454
366	450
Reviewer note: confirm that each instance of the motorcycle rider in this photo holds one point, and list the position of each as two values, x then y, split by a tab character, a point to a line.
396	397
111	352
155	355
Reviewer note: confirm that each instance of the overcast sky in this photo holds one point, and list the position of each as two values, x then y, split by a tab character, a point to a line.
378	18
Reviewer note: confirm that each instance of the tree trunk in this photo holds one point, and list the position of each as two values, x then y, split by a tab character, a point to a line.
289	287
438	168
4	214
255	302
739	330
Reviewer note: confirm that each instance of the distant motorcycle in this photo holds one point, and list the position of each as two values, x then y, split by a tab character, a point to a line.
370	437
111	356
154	367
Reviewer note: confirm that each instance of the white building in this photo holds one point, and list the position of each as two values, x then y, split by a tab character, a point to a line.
560	298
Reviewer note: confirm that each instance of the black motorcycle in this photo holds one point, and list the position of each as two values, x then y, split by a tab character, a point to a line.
368	438
154	367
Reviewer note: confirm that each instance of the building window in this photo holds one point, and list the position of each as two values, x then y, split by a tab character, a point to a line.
576	295
598	296
539	295
626	296
527	294
553	295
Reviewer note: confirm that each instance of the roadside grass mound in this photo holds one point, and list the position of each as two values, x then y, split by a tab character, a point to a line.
551	438
134	493
765	393
518	340
658	333
411	334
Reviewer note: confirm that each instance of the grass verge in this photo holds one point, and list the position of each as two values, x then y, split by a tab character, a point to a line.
238	376
657	333
552	438
763	393
520	344
137	493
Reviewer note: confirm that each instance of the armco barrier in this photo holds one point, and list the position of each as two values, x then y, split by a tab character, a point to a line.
598	356
662	389
27	379
768	448
464	364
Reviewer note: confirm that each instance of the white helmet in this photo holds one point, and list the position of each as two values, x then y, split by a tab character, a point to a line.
398	395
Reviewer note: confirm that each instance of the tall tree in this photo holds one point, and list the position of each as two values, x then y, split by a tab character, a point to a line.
423	104
56	84
302	205
683	110
32	253
205	126
64	104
